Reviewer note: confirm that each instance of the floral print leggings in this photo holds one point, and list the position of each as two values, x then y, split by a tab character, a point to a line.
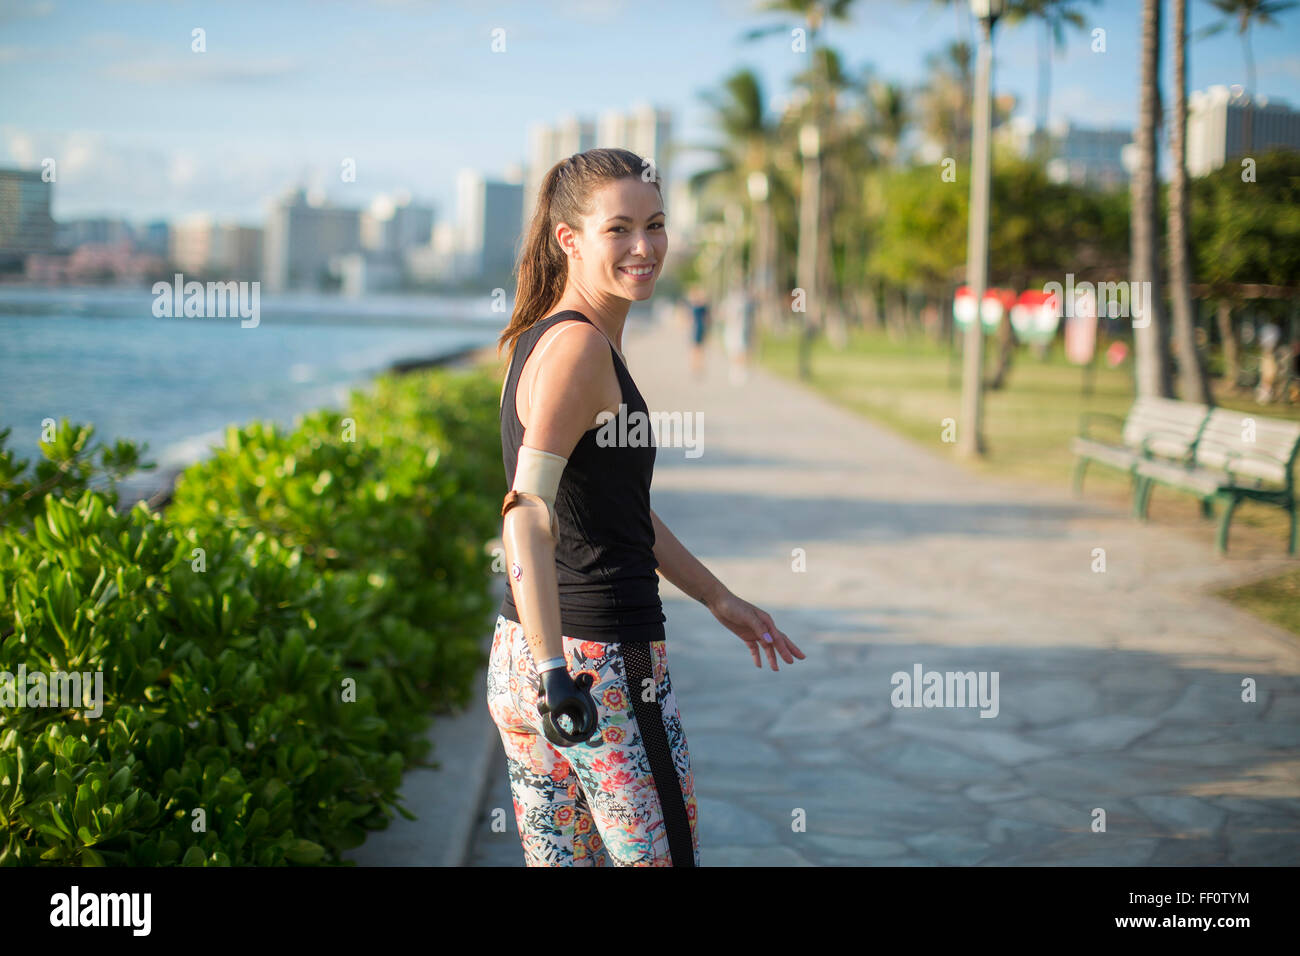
626	796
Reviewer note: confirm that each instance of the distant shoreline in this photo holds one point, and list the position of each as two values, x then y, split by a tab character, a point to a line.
157	494
461	358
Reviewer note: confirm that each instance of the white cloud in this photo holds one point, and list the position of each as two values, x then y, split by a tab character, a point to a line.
74	153
203	68
1082	105
182	169
594	11
1282	67
16	54
80	152
112	41
18	11
20	146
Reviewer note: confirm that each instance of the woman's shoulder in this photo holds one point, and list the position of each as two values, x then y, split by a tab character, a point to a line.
572	344
566	317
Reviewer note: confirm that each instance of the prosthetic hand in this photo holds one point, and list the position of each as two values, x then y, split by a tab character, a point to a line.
563	696
529	533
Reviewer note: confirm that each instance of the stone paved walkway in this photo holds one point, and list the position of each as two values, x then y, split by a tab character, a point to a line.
1118	690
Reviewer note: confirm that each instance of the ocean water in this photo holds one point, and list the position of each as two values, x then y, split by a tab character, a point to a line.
101	357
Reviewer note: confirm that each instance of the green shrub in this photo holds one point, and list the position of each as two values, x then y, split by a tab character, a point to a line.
290	568
72	464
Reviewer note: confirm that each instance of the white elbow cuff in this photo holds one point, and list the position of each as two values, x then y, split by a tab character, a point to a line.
538	472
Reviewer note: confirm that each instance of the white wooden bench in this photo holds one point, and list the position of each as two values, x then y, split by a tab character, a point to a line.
1236	457
1156	428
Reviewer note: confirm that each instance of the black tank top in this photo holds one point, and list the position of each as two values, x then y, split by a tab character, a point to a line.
604	560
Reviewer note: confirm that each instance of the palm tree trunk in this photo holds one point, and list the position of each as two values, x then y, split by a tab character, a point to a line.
1231	362
834	324
767	296
896	313
809	245
1040	111
1047	79
866	296
1192	380
1149	340
1247	131
1007	343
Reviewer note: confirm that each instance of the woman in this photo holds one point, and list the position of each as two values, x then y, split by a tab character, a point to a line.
699	306
598	762
740	333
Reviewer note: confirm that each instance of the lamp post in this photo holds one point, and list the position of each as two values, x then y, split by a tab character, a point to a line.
760	259
809	220
970	440
734	217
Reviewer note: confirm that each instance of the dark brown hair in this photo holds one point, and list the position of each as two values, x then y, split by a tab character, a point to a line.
565	196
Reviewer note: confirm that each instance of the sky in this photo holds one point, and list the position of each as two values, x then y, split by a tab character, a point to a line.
142	126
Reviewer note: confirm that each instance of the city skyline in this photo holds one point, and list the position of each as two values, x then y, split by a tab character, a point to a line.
86	85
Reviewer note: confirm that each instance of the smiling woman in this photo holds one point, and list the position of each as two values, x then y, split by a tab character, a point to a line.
598	764
614	219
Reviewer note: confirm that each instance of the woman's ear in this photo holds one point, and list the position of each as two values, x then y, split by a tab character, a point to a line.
568	240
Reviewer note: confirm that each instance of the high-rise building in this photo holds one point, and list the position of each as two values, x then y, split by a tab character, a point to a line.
301	238
365	272
155	237
644	129
1089	157
237	252
190	245
1081	155
445	263
26	226
1216	127
488	226
226	251
103	231
547	145
683	205
394	224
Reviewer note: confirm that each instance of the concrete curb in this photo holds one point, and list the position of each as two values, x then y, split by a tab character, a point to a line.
445	800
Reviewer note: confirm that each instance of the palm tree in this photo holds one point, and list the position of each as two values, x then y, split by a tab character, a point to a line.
889	116
1193	381
740	115
962	14
870	144
1245	13
1055	15
820	78
814	13
1149	341
946	98
828	179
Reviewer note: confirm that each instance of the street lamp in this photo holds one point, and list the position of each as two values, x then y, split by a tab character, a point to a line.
734	217
809	220
970	440
760	262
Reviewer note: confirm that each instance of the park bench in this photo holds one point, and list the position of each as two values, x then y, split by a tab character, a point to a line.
1156	428
1236	457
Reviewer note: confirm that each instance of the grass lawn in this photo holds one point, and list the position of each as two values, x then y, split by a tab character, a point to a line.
912	386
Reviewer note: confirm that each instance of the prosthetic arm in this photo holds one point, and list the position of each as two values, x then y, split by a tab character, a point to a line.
529	532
